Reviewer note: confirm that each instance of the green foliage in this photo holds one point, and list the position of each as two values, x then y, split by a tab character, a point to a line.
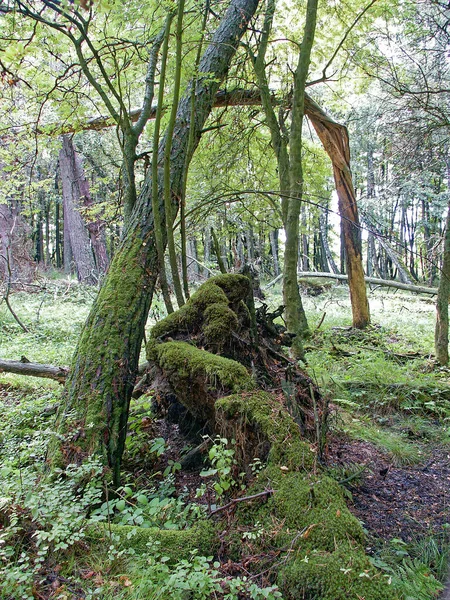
222	459
41	518
197	577
402	451
412	569
155	507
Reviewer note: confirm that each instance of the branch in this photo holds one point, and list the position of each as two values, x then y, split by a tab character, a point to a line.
29	369
243	499
34	370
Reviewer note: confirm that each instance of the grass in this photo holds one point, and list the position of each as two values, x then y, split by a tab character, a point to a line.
395	444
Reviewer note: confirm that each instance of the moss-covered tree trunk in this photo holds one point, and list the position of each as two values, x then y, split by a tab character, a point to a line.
441	330
95	407
295	314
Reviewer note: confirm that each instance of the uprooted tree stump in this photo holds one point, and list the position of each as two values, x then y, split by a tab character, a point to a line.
218	344
218	365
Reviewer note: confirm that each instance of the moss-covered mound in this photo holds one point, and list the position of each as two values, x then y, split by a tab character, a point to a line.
198	377
306	516
319	543
213	313
177	545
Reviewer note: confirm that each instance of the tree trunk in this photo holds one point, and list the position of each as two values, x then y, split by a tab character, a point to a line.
73	186
441	330
101	381
8	218
273	237
334	138
324	240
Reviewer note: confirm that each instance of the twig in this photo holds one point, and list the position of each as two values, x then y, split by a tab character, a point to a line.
321	321
8	289
243	499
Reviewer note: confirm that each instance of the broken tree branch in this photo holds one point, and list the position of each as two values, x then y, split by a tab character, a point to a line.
30	369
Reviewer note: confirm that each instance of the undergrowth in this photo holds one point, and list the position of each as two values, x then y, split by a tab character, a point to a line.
401	405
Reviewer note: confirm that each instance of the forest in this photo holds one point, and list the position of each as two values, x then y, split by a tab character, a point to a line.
224	292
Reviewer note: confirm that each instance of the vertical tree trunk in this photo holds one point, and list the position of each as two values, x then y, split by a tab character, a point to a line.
206	248
67	247
273	237
8	218
98	390
441	330
75	231
323	225
192	258
57	235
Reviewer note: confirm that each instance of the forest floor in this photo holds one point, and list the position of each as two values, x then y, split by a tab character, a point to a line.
389	427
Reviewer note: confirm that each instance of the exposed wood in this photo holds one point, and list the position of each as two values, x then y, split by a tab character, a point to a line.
417	289
39	370
34	369
335	140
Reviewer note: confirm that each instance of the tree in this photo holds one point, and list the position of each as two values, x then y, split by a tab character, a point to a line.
98	391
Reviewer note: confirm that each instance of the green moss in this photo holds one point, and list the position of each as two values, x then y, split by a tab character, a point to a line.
262	414
189	362
344	574
217	292
220	321
95	395
306	513
177	545
236	287
314	505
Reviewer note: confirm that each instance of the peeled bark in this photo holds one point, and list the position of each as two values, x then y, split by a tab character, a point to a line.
99	387
334	138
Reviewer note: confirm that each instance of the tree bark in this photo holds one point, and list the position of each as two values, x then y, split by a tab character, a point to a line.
75	231
99	387
441	330
334	138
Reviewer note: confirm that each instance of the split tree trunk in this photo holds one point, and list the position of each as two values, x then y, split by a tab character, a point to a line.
98	390
334	138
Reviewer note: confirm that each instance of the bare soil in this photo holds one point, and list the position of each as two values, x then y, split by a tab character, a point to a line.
406	502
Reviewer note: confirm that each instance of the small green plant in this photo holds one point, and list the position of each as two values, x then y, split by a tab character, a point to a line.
411	577
41	519
222	459
154	507
199	578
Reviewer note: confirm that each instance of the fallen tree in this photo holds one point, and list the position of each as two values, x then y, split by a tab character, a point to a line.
25	367
30	369
416	289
